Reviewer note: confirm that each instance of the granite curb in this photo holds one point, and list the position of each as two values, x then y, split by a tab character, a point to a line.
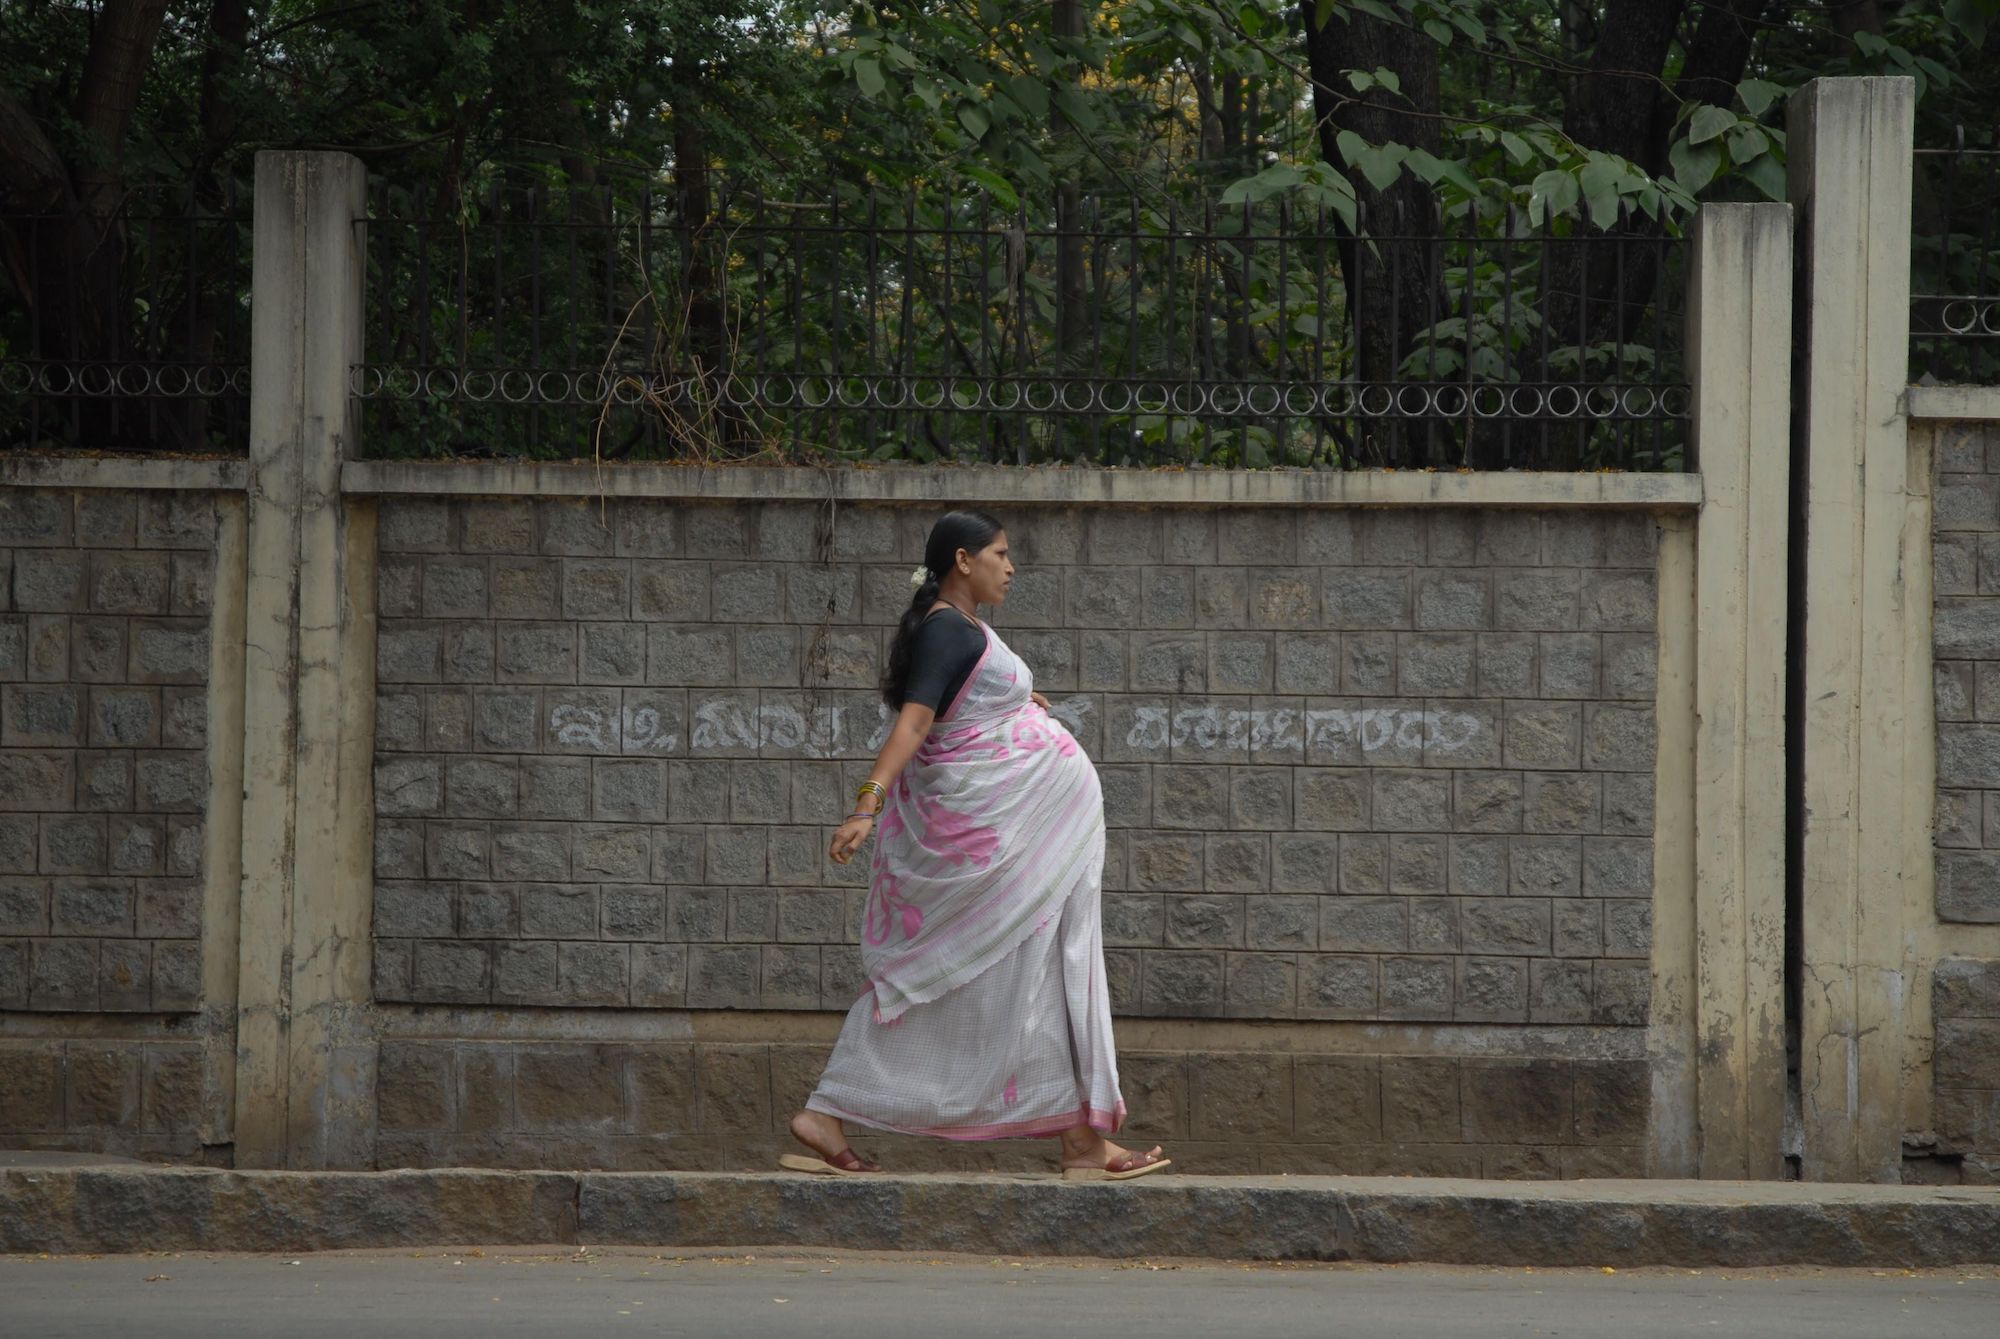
1376	1219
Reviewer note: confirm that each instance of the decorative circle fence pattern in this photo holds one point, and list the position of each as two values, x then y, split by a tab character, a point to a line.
940	327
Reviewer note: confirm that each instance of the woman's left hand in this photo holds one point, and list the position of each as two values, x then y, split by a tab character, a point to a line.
1039	700
847	840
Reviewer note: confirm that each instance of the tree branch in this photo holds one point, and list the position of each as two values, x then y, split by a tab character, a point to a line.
33	178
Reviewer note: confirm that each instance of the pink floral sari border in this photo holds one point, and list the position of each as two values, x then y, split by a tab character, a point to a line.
1098	1119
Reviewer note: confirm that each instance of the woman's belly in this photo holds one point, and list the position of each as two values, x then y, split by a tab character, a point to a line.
1012	768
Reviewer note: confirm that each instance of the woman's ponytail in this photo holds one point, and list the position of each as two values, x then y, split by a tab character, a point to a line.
955	530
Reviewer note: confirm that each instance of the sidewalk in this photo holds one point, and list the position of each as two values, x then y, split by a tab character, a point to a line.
109	1206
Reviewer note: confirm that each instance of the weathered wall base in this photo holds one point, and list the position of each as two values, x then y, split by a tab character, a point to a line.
1966	1006
723	1106
132	1098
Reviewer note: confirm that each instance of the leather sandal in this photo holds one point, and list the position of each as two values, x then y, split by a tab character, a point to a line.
844	1163
1120	1169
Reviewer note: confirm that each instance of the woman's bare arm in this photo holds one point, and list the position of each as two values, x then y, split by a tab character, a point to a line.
906	736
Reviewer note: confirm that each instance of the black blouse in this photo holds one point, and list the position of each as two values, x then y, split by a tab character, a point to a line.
946	647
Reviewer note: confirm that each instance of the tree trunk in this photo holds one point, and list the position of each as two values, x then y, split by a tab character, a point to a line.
1593	294
1855	16
1227	159
1390	263
68	262
708	423
1578	22
1072	315
1598	285
228	31
121	47
1209	114
1719	50
33	180
1617	100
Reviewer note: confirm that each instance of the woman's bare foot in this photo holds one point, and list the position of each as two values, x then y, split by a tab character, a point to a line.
1084	1149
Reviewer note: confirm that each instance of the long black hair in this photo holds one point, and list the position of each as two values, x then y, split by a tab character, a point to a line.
955	530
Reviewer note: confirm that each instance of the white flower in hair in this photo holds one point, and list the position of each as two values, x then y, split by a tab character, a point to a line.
919	577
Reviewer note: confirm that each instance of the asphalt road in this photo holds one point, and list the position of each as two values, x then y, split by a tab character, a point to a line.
445	1295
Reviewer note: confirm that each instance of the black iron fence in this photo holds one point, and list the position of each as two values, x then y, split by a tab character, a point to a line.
1955	262
719	323
127	327
716	322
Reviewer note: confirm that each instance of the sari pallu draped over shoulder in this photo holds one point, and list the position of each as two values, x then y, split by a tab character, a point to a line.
980	841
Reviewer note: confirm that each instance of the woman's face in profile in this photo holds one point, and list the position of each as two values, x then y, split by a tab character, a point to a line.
992	571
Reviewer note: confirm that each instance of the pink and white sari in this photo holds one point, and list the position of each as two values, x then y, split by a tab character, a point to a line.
986	1014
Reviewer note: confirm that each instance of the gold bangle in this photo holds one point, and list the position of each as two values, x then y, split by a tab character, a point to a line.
874	788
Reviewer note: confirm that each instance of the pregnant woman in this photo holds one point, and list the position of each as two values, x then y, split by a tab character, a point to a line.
986	1013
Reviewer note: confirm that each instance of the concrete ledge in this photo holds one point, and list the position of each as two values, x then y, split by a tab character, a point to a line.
1381	1219
159	473
91	1209
1046	485
1952	402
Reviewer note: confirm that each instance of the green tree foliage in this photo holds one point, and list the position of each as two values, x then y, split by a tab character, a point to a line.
1349	122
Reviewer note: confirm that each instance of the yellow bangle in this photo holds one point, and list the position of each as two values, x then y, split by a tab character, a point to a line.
874	788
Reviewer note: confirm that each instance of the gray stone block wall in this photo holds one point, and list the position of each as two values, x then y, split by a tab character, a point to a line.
1389	765
1965	1002
1965	992
104	625
1966	663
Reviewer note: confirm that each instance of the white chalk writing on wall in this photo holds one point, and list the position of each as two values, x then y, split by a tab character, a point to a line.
722	725
1378	728
646	729
1366	729
576	726
1072	712
726	725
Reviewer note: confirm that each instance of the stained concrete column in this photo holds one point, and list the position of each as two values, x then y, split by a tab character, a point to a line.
304	1064
1863	779
1739	352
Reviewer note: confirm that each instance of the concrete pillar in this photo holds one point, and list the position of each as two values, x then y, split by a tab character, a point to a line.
222	828
304	1065
1672	1136
1862	684
1739	353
